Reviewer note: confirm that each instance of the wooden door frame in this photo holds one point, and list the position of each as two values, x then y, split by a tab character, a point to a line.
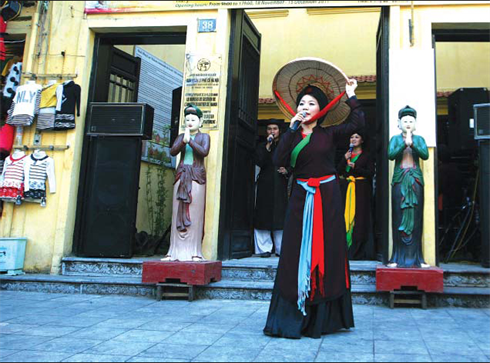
98	73
232	101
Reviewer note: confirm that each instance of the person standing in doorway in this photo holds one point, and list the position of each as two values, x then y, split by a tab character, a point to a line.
356	171
272	195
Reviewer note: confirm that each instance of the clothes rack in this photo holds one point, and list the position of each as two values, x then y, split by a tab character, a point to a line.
43	148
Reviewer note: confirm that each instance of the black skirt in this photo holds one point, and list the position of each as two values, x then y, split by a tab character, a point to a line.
286	321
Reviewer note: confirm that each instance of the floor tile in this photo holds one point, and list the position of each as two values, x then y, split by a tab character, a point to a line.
174	351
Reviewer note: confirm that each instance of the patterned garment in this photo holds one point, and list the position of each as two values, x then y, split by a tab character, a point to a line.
35	194
12	180
13	173
45	120
38	168
68	103
12	194
25	105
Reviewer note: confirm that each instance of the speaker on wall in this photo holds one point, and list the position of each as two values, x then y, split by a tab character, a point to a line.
111	196
121	119
482	121
461	117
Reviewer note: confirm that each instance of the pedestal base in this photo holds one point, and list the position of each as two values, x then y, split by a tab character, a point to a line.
191	273
423	279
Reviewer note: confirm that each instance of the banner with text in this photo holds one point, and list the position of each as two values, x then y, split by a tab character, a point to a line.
202	85
94	7
157	81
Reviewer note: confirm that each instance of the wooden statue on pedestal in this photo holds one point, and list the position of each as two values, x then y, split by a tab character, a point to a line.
407	192
189	197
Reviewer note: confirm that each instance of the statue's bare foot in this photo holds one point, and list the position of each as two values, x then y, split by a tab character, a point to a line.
197	259
167	258
394	264
424	265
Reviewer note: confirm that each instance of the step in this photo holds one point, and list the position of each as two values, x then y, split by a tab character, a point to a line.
225	289
362	273
260	269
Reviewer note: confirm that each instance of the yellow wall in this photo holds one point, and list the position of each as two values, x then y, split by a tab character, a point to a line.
425	19
340	40
347	37
341	36
50	231
462	65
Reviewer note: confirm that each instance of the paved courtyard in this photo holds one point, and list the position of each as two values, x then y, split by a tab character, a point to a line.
38	327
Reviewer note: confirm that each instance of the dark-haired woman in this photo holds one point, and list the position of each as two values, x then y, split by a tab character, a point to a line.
356	171
312	295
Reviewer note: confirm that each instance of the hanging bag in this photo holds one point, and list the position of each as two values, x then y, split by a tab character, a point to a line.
7	136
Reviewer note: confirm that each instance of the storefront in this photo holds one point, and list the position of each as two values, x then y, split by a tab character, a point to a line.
70	47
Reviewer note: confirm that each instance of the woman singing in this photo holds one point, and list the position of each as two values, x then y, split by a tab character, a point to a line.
356	171
312	295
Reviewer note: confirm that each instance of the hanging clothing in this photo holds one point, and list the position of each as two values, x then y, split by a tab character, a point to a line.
12	81
25	105
326	305
3	28
7	136
358	182
68	98
47	111
37	171
12	179
407	202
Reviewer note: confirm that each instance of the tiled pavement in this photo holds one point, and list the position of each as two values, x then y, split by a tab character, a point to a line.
38	327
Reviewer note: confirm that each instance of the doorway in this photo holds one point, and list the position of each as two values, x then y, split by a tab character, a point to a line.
129	68
236	220
462	53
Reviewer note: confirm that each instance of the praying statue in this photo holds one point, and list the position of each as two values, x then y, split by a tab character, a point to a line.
407	192
189	196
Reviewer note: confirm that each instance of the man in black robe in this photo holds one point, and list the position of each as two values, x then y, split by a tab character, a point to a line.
272	195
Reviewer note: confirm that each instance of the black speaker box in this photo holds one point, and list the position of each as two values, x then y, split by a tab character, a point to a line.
482	121
121	119
111	196
485	201
460	112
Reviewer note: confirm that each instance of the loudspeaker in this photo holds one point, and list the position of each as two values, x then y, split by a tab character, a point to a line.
108	223
461	117
482	121
121	119
484	146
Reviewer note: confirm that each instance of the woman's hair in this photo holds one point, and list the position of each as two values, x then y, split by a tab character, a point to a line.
318	94
365	137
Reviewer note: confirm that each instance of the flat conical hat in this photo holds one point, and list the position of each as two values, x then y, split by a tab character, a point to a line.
291	79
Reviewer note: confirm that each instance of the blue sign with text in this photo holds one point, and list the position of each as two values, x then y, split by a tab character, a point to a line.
207	25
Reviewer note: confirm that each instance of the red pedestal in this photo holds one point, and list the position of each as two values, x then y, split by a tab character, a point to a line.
424	279
191	273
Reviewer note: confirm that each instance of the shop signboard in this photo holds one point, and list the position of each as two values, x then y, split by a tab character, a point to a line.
94	7
202	85
157	81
